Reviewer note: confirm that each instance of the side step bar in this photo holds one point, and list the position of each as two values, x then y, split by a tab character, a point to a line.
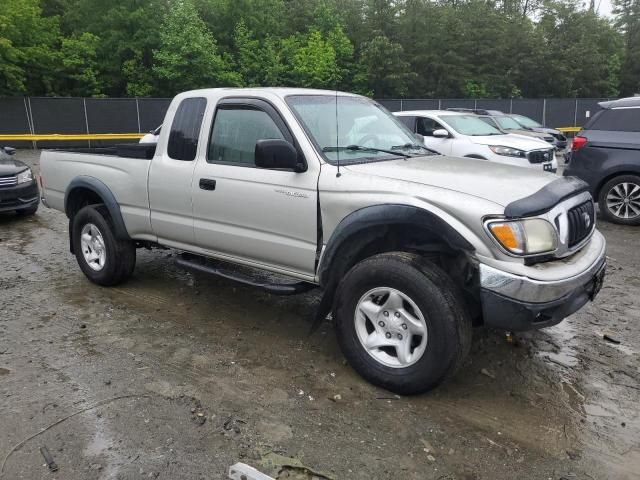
200	264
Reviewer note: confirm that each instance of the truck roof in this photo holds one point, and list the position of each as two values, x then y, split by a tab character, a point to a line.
281	92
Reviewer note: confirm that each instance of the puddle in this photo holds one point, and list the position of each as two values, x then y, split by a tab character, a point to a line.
4	371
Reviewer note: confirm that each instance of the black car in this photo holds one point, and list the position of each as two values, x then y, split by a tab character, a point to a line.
606	155
18	189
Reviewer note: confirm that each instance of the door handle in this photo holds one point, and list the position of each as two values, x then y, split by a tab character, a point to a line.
207	184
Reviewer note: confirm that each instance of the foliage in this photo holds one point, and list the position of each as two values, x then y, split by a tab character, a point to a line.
416	48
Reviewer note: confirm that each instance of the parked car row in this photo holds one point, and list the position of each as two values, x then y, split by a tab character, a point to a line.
462	134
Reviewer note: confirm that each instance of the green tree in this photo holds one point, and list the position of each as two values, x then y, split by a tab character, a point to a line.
187	56
78	56
628	20
27	48
388	73
314	64
257	62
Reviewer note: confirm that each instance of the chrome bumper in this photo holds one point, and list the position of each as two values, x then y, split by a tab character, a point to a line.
524	289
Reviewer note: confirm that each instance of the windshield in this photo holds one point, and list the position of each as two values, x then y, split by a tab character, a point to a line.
526	121
507	123
469	125
366	130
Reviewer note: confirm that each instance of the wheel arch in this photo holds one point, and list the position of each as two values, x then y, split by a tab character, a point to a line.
610	176
85	190
379	228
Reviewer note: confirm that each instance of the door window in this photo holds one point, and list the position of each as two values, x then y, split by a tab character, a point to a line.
185	129
426	126
409	122
236	129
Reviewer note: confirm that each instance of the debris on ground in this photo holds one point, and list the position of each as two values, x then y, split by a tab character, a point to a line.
49	459
286	467
610	338
242	471
487	373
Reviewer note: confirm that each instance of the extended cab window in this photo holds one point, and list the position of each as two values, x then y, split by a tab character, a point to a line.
236	129
619	120
185	129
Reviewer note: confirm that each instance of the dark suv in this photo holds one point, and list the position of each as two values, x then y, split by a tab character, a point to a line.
606	155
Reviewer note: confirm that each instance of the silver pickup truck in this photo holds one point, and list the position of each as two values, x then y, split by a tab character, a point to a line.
329	190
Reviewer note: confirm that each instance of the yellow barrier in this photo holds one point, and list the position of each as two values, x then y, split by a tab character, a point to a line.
126	136
61	137
569	129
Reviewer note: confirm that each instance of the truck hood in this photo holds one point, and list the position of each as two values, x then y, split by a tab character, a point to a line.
512	140
495	182
9	166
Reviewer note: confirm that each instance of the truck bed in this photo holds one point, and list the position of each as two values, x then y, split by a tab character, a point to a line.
122	169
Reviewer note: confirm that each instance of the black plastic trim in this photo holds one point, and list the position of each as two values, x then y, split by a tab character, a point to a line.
384	215
109	200
546	198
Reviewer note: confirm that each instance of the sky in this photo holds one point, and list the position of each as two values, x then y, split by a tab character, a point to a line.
605	7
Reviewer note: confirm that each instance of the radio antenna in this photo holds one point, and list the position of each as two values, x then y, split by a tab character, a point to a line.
338	174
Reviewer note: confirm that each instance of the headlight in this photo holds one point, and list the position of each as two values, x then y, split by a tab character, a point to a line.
507	151
26	176
525	237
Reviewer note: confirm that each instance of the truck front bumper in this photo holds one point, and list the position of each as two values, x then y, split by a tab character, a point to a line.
516	302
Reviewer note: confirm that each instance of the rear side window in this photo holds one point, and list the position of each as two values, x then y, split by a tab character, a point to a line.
619	120
185	129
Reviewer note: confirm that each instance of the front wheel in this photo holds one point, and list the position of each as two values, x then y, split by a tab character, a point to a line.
619	200
401	323
103	258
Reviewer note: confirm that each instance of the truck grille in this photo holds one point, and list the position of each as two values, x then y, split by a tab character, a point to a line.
540	156
8	181
581	222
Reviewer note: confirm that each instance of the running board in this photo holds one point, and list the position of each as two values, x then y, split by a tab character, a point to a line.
200	264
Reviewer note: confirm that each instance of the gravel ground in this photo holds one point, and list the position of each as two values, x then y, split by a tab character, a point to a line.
175	375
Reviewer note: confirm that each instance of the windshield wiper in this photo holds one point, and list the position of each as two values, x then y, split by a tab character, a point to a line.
413	146
360	148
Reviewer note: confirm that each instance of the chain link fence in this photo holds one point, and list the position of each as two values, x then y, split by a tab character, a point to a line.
87	116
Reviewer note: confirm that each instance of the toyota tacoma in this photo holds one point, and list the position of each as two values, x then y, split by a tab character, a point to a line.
328	190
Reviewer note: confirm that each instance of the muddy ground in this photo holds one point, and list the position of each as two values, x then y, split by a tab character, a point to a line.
175	375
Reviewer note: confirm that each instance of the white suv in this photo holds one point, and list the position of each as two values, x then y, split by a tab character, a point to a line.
466	135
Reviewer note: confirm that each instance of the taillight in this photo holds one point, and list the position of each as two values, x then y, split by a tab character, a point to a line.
578	143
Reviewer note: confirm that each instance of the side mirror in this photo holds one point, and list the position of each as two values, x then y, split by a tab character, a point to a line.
441	133
277	154
420	138
9	150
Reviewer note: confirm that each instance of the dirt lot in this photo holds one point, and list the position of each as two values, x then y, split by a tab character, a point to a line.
178	375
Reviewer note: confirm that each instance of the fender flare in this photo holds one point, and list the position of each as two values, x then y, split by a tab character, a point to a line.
384	215
108	198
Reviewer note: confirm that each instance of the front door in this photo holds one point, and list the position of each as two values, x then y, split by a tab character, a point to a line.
426	126
263	216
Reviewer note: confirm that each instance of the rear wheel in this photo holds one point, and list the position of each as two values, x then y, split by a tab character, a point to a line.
401	322
619	200
103	258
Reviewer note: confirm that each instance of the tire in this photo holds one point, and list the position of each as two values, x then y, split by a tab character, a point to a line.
28	211
113	259
611	199
439	304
